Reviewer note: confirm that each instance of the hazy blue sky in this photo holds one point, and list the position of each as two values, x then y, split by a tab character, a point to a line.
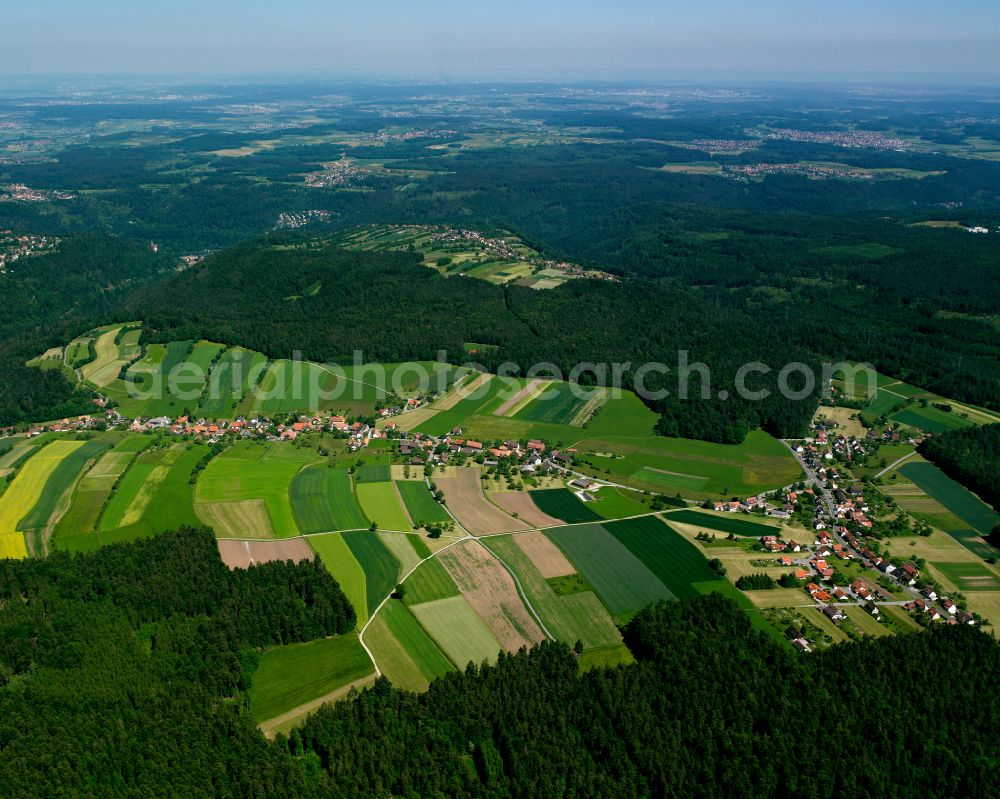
469	38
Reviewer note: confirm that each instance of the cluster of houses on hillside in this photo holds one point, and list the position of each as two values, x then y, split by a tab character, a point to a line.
18	192
358	433
501	249
291	220
338	173
14	247
529	458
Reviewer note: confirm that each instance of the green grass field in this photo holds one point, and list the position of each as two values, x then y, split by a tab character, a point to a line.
322	500
420	503
380	565
737	524
610	503
399	544
292	675
339	560
618	576
558	404
969	576
373	473
381	504
579	616
344	504
696	469
310	497
25	490
250	470
95	487
230	380
130	486
605	657
429	582
931	419
458	630
419	646
154	495
959	500
675	561
561	503
54	495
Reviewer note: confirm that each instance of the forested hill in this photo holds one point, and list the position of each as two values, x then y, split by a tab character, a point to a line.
118	672
286	294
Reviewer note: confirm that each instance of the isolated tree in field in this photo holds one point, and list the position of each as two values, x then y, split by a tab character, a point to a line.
373	528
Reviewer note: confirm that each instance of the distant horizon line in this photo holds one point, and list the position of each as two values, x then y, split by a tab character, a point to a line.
528	76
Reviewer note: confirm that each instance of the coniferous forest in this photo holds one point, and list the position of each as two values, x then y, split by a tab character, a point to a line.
130	666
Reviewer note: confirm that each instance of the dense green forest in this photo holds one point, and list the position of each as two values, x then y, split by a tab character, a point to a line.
391	308
110	660
971	457
124	664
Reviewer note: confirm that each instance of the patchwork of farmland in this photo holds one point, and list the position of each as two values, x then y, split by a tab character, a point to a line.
520	505
491	592
406	654
458	630
26	490
619	577
677	563
563	403
465	499
323	500
429	582
229	382
339	560
380	566
209	379
579	616
975	513
39	523
255	477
